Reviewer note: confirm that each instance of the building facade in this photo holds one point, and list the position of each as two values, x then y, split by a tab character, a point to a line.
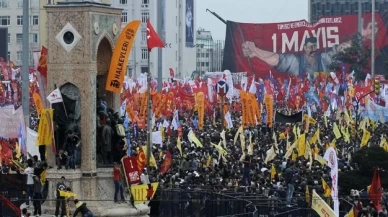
11	17
318	8
209	52
168	17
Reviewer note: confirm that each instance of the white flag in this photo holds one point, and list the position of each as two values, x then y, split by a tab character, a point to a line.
55	96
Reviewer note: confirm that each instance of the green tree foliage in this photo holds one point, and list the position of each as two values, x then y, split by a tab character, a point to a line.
366	159
356	56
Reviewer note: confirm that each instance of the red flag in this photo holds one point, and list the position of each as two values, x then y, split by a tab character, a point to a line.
131	170
153	39
166	163
141	161
375	192
172	74
42	67
9	204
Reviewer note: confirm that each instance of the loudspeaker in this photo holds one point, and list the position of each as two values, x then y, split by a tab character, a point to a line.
68	37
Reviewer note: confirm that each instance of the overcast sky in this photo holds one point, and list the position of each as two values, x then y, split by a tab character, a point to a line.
249	11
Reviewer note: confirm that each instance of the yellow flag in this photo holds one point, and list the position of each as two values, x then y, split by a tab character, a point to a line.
45	129
321	207
179	145
239	131
140	192
320	159
326	189
315	138
67	194
162	131
294	156
18	151
365	138
194	139
152	158
307	193
209	160
302	145
336	131
273	172
38	103
43	177
351	213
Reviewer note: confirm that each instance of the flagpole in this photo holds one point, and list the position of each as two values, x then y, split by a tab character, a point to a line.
149	114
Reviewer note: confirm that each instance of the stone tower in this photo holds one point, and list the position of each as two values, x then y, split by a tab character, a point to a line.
81	38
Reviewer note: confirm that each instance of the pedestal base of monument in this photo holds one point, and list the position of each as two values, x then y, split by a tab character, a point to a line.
96	189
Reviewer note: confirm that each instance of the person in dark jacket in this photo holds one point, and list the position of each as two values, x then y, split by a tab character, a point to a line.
289	176
80	207
60	200
37	196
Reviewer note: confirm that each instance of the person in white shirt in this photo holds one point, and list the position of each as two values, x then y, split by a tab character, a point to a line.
29	171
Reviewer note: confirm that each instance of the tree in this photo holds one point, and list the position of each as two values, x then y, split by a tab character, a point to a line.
356	56
367	158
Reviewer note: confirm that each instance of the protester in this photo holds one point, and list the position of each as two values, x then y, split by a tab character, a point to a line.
118	184
60	201
81	208
37	195
29	171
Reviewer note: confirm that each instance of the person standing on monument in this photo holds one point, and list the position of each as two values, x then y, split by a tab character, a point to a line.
60	200
107	134
71	145
118	183
29	171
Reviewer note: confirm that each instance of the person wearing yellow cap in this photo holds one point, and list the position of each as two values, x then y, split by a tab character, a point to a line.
80	207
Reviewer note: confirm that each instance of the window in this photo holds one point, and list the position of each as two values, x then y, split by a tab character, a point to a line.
144	54
5	20
207	63
4	3
35	38
176	20
35	20
176	55
9	55
198	55
19	38
34	3
176	37
19	56
145	2
123	2
145	16
9	38
19	20
124	17
198	64
202	63
49	2
143	35
207	55
144	69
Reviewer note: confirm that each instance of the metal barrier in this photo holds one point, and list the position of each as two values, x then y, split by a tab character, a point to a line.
193	203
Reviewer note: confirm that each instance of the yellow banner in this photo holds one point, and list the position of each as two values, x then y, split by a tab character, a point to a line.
143	105
141	193
321	207
269	107
251	110
38	103
45	129
320	159
200	98
118	64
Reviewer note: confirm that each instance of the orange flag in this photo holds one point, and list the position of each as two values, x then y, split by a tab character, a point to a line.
118	64
166	163
38	103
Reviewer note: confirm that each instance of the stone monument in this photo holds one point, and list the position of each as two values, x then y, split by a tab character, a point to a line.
81	39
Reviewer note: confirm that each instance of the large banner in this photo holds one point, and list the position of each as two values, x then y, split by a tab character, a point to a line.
298	47
190	23
10	121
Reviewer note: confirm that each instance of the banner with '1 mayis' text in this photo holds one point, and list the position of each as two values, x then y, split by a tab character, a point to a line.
298	47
